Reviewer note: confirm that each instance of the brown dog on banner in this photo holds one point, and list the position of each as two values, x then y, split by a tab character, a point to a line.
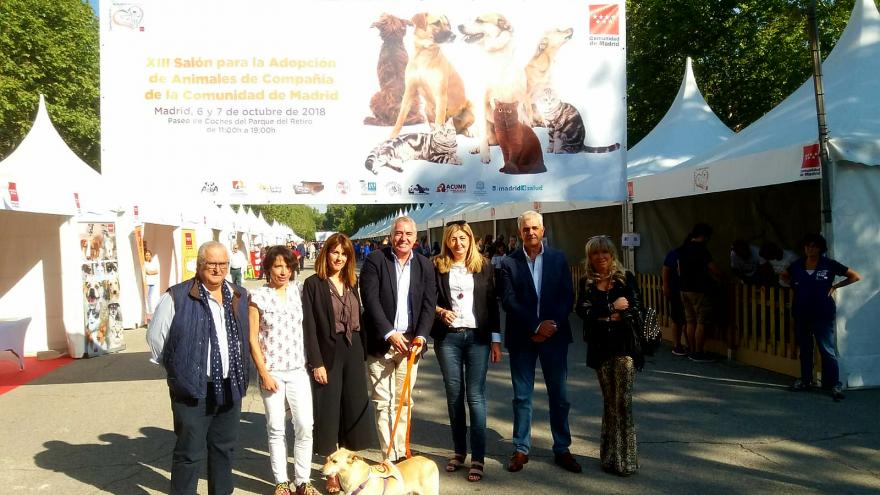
431	76
385	104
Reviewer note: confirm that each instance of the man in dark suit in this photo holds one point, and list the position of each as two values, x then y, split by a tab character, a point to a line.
537	295
399	296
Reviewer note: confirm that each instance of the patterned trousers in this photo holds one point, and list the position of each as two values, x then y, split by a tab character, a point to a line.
617	451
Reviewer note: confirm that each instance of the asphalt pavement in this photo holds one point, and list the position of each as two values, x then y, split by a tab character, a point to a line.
103	425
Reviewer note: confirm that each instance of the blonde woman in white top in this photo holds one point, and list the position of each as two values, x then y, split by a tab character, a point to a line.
466	338
277	347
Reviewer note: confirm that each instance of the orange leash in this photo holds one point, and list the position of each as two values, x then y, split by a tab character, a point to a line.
404	399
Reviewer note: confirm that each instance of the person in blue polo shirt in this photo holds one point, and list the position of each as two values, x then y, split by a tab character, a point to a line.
812	278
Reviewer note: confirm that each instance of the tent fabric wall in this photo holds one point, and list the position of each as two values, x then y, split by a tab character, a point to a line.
782	213
568	231
856	230
30	275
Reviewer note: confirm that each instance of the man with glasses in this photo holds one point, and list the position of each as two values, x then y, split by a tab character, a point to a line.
399	296
199	334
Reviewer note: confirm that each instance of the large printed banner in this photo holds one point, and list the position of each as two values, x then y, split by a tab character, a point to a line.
366	101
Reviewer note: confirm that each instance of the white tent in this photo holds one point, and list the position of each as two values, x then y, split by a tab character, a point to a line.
855	148
44	187
43	175
772	149
688	129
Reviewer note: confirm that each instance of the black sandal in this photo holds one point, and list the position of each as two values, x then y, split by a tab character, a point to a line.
476	472
454	463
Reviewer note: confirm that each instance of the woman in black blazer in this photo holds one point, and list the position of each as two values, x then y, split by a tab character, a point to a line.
466	337
335	352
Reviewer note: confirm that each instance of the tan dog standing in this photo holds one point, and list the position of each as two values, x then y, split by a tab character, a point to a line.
419	475
539	69
429	75
505	79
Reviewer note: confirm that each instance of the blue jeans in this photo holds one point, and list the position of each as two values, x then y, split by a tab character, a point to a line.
554	364
823	330
463	362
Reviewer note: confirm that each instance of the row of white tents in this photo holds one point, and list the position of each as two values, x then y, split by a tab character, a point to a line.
48	192
758	183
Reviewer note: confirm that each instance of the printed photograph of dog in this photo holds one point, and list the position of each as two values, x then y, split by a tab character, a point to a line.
115	338
417	475
95	333
539	70
505	83
430	77
94	291
513	67
393	58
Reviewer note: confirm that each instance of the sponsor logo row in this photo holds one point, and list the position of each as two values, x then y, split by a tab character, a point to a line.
370	188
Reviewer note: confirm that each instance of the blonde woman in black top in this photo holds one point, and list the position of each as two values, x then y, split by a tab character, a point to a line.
607	299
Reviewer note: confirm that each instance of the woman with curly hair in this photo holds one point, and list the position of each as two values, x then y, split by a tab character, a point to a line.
608	302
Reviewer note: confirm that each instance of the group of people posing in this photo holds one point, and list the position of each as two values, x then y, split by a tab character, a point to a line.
338	351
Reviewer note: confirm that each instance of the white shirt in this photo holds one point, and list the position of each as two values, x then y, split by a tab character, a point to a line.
281	327
746	267
461	295
401	316
537	269
782	264
238	261
157	332
152	265
497	259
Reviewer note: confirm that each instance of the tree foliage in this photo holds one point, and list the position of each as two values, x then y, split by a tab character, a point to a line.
349	218
50	47
748	55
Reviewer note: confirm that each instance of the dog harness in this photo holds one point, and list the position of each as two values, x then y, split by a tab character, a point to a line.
385	471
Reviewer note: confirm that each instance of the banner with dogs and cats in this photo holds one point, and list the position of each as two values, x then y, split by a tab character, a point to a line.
102	327
366	101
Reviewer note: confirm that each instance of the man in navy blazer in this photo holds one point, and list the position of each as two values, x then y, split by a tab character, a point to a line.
399	294
537	296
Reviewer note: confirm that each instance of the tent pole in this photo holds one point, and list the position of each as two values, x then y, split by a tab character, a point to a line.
628	252
824	159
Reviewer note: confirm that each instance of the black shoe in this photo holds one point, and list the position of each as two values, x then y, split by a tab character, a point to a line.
837	393
567	461
799	386
701	357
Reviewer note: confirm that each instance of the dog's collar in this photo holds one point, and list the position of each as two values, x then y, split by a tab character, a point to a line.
362	485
